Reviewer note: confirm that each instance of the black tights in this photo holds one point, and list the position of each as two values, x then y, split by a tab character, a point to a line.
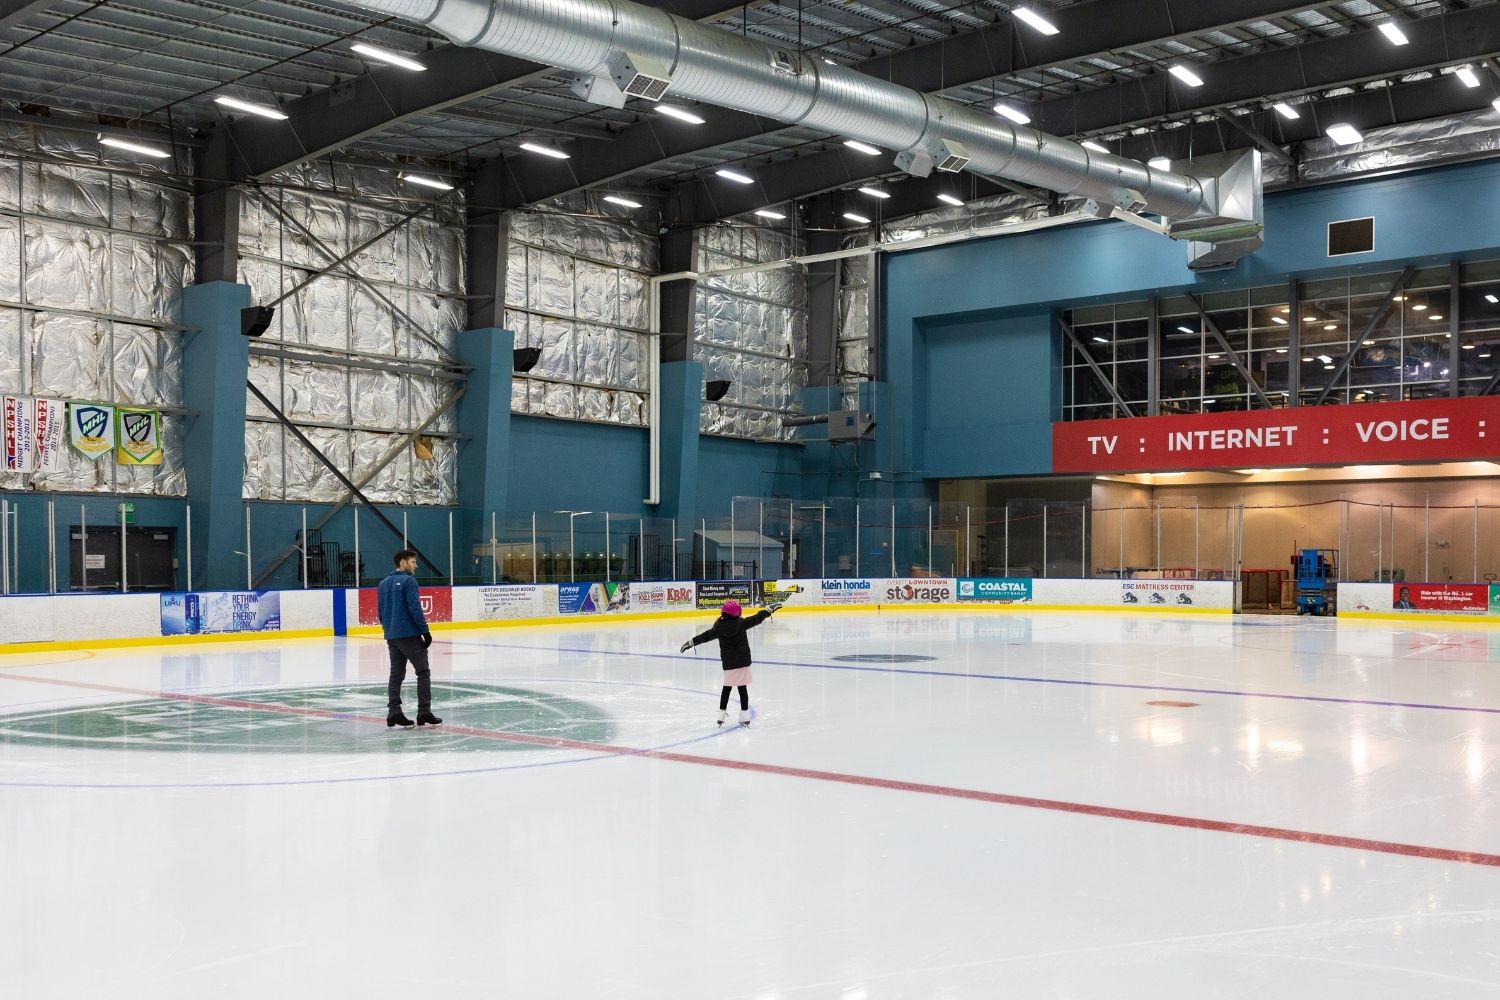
744	698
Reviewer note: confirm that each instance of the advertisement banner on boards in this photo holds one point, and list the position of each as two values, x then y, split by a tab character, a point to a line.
793	592
712	593
437	605
662	596
580	598
1441	598
846	592
220	611
917	590
995	590
519	601
1159	593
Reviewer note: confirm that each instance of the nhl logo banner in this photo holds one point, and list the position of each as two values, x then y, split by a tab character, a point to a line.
91	428
138	441
20	434
49	435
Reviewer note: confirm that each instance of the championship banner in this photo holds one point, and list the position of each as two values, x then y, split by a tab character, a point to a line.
91	429
20	434
50	418
138	439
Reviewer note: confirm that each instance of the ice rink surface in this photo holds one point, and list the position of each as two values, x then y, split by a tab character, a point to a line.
938	806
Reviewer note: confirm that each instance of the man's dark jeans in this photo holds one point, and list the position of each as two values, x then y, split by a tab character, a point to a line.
404	651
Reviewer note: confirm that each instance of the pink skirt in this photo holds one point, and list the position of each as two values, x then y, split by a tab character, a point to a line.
736	677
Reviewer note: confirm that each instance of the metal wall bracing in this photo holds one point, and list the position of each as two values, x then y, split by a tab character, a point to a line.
577	287
93	254
751	329
853	361
379	327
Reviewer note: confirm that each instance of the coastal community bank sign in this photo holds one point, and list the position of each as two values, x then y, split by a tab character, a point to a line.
1360	434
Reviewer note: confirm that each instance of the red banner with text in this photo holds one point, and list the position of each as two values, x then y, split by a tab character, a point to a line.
1433	430
437	604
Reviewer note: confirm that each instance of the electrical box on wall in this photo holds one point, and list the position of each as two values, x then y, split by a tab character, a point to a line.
850	425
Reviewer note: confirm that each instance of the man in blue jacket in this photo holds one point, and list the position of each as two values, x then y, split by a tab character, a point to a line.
407	637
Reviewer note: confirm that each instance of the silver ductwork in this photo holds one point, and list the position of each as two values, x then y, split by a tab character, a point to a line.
594	38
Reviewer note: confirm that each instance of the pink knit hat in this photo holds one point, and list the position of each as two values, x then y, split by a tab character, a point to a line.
731	608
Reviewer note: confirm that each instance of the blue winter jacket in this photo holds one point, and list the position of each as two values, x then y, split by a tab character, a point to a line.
401	606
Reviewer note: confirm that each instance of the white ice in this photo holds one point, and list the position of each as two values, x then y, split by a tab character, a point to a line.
315	853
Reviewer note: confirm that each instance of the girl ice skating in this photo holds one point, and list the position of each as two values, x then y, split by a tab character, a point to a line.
734	651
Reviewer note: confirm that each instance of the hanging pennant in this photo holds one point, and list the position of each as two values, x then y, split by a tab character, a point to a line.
138	438
20	434
49	435
91	429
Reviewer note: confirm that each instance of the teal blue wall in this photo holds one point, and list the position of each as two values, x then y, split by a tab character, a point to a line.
969	345
567	465
730	468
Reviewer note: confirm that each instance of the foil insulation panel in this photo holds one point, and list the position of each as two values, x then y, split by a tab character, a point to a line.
399	300
751	329
577	287
98	250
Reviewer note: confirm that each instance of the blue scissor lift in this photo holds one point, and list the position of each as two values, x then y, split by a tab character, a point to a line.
1317	576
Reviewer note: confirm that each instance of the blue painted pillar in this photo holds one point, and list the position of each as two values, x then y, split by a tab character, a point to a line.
215	364
681	413
484	453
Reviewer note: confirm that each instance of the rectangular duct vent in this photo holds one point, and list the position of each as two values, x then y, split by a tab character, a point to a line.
640	76
1351	236
952	156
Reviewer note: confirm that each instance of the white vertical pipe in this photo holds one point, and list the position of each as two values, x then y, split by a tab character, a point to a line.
124	564
533	546
1475	577
357	573
1158	538
732	571
969	534
641	539
1121	574
5	545
760	532
703	546
52	545
1083	547
931	562
1427	537
893	539
249	564
856	538
1044	541
1197	532
305	581
823	559
791	539
403	529
1006	571
1379	540
494	553
189	543
608	555
83	545
451	578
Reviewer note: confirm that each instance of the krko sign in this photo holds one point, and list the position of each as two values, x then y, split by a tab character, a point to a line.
1363	434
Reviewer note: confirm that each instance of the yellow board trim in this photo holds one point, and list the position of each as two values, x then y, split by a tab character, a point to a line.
70	645
1392	616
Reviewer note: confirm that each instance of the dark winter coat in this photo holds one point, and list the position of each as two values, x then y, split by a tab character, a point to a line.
400	606
734	647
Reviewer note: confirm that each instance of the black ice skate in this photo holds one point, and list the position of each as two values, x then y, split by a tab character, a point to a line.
398	718
428	719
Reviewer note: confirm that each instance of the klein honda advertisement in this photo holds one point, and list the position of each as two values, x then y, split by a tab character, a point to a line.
1358	434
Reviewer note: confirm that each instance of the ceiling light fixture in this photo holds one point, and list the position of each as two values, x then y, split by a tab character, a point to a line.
431	182
852	217
1325	359
1187	329
1419	307
861	147
1091	144
1435	316
551	151
1466	74
133	147
875	193
1392	31
615	199
681	114
1278	319
1034	20
1159	163
393	58
766	213
953	200
1344	135
249	107
1491	299
1012	112
1286	111
1330	326
734	175
1186	75
1100	340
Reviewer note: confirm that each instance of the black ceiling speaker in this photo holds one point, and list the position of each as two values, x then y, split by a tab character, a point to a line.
715	390
256	320
526	358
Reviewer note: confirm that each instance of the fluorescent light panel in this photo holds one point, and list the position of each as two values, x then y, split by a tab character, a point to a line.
681	114
1034	20
1393	33
431	182
949	199
134	147
1344	135
1186	75
1091	144
1159	163
1012	112
1466	74
766	213
852	217
551	151
249	107
615	199
875	193
1286	111
861	147
392	58
735	175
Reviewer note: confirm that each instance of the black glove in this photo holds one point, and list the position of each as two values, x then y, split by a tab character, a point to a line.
686	646
426	639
